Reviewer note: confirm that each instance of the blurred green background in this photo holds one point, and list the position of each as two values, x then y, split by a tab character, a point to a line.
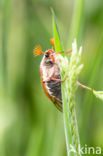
30	125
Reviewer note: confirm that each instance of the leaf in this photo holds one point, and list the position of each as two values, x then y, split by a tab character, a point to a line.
57	39
98	94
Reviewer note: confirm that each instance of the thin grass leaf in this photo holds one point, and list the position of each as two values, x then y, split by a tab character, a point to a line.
68	91
58	48
57	39
77	21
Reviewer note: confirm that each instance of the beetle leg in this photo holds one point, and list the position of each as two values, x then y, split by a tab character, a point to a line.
68	51
55	79
59	80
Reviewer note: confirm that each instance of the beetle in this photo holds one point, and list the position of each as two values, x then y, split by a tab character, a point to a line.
50	74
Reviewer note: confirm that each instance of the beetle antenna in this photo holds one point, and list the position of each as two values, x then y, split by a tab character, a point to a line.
66	52
37	50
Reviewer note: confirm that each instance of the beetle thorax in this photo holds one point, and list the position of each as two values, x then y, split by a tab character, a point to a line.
49	68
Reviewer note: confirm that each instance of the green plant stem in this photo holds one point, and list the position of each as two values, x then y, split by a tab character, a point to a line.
66	119
6	15
70	121
71	68
68	95
84	87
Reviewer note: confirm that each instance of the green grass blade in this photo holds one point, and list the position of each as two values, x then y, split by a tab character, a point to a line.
58	48
77	21
68	92
57	39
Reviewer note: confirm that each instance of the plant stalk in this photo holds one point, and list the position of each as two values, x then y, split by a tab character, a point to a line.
84	87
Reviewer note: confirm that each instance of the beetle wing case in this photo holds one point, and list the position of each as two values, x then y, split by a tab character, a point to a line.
51	88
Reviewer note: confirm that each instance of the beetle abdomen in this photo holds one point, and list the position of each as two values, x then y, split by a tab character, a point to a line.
54	89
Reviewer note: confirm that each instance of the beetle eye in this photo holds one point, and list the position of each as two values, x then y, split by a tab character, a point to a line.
47	55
